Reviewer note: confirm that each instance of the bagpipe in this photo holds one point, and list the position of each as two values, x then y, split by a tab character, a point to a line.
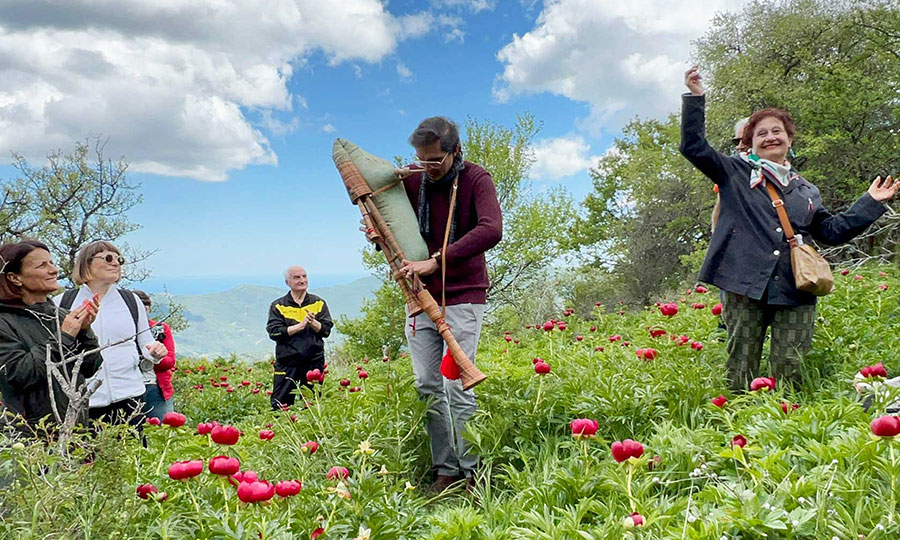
373	186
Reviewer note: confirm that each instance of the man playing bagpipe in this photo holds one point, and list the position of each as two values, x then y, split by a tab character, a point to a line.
459	218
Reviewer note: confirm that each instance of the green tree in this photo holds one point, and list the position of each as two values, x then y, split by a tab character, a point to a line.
77	198
835	66
74	199
649	209
535	224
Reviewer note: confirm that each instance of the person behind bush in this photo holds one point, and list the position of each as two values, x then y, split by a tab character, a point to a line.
298	323
158	390
749	256
28	323
119	399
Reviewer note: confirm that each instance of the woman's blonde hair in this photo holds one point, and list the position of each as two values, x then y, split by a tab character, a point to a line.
81	273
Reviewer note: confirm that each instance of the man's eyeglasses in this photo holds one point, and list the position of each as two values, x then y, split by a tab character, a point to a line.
109	258
431	164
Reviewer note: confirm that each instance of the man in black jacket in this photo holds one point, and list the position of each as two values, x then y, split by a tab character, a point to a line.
298	324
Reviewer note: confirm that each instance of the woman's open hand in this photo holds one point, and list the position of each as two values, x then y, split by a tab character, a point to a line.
883	190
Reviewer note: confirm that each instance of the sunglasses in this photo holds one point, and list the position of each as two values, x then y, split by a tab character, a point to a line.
736	141
432	164
109	258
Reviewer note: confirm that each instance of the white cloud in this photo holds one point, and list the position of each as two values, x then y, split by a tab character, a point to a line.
328	128
404	72
474	6
622	58
561	157
181	88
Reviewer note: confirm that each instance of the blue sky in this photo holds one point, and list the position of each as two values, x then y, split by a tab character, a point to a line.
228	114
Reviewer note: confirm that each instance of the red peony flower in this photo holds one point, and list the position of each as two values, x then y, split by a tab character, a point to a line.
598	348
696	345
253	492
181	470
657	332
579	338
225	434
698	305
174	419
739	440
622	450
883	286
313	375
844	272
288	488
716	309
548	326
583	427
144	490
224	465
337	473
634	520
876	370
615	338
760	383
593	328
787	407
542	368
153	421
719	401
886	426
316	533
310	447
245	476
669	309
648	355
363	375
701	289
204	428
508	338
266	434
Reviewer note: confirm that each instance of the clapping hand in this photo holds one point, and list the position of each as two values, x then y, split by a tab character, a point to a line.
694	81
883	190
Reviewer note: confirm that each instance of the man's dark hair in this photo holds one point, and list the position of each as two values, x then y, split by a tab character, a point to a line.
145	298
436	128
11	256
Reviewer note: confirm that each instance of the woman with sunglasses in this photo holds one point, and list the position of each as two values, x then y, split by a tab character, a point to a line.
119	399
28	323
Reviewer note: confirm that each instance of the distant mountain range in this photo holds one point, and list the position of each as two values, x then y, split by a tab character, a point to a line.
234	321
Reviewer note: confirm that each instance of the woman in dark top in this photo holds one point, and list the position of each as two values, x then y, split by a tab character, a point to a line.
28	323
749	256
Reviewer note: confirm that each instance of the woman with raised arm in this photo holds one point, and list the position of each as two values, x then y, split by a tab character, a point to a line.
28	323
121	326
749	256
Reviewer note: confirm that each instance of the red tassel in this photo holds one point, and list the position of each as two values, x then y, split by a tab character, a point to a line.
449	369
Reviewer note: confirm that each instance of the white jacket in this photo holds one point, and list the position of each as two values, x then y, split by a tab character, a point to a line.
120	373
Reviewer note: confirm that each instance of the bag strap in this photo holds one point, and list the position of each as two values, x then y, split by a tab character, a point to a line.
782	214
68	298
128	297
444	248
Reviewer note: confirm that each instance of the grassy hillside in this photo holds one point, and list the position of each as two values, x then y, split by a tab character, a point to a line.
234	321
752	467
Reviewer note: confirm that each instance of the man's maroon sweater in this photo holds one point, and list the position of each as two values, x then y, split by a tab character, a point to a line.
479	227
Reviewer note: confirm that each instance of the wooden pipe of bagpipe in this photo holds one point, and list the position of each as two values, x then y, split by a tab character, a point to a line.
469	374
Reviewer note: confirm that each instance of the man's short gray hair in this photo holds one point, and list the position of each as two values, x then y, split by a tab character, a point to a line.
739	126
287	271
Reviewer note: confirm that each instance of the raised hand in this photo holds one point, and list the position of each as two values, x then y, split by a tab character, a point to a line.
883	190
694	81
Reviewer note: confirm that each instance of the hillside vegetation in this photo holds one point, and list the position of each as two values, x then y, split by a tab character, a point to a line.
811	471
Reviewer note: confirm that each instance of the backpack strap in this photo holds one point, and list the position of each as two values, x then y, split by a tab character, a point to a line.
68	298
131	302
128	297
